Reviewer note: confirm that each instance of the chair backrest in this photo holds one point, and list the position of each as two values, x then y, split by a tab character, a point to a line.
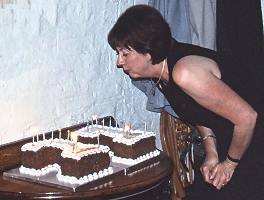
173	135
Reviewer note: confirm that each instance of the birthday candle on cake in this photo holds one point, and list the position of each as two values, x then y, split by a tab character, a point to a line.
74	138
103	122
52	135
43	133
59	133
36	131
32	132
127	128
145	126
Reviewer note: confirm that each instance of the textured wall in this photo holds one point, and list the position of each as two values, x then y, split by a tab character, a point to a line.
56	68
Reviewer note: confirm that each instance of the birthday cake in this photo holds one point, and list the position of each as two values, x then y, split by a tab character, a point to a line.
89	158
76	163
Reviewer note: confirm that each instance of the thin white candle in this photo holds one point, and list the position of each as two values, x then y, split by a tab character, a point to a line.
59	133
31	133
74	138
110	122
145	126
103	121
126	129
52	134
43	135
116	123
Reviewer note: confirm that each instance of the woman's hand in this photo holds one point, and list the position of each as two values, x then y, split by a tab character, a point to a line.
207	167
222	173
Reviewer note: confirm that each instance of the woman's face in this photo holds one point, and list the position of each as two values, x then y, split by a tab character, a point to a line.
135	64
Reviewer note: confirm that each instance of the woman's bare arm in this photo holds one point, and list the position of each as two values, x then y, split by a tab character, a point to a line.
199	77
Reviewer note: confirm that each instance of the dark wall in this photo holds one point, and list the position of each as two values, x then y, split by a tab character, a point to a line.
240	45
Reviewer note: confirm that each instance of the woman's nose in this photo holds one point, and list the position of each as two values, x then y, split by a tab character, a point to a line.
120	61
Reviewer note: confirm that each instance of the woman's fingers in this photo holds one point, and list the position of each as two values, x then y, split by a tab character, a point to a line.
206	174
221	175
213	173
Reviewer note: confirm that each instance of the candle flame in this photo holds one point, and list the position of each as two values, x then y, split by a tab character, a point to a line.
127	127
33	130
94	117
74	137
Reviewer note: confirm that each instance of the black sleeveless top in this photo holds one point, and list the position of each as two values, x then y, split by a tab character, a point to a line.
187	108
248	179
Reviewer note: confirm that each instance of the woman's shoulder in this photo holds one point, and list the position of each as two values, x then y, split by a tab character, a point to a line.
191	66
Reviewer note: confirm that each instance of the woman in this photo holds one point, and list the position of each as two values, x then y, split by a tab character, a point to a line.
191	80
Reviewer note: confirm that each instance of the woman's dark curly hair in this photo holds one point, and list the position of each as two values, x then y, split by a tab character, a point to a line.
144	29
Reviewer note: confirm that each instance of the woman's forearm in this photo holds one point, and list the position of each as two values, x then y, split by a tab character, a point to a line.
208	141
242	136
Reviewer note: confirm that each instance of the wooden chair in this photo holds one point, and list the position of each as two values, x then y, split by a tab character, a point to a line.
173	133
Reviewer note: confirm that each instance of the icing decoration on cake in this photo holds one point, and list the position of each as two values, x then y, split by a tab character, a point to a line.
130	161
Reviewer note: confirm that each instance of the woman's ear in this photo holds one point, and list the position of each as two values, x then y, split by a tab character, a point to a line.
149	57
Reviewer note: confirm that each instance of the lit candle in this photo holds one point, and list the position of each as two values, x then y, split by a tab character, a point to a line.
127	128
74	138
59	133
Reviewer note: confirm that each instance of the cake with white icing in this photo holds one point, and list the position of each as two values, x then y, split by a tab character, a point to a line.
75	162
89	158
127	148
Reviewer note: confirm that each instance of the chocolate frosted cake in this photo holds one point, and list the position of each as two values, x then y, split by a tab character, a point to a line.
76	163
128	148
87	159
133	146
